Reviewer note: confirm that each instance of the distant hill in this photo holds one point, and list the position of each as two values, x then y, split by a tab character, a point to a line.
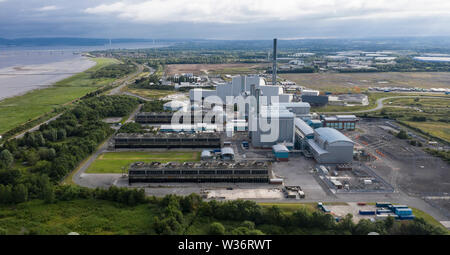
63	41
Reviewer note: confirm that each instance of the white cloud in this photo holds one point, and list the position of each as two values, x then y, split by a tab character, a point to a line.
254	11
48	8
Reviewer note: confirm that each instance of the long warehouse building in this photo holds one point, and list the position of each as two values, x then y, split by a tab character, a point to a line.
251	171
169	140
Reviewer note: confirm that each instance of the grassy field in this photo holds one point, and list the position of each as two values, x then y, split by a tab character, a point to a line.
435	111
18	110
346	82
93	217
438	129
151	93
200	69
407	101
113	162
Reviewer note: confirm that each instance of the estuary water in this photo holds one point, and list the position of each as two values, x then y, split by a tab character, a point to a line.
26	68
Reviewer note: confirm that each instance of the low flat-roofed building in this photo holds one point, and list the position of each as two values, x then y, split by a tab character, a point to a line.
227	153
247	171
330	146
315	100
341	122
169	140
281	152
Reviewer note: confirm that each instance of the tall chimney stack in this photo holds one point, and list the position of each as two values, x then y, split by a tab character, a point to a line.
274	67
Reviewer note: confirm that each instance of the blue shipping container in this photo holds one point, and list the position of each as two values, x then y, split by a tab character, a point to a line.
383	211
367	212
400	206
383	204
403	212
406	217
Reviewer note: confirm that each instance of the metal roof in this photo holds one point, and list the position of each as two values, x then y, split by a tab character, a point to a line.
295	104
331	135
227	150
346	117
313	145
304	128
200	165
280	148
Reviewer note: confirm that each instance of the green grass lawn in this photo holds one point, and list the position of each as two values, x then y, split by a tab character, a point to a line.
18	110
86	217
113	162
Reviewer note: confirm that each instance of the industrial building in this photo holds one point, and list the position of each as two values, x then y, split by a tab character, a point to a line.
169	140
315	123
297	108
189	128
315	100
227	153
240	86
281	152
166	117
303	132
252	171
283	132
309	92
349	99
330	146
341	122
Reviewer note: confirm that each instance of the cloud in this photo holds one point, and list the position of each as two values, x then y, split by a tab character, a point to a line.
48	8
256	11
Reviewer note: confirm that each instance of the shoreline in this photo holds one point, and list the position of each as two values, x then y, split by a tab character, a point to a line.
18	80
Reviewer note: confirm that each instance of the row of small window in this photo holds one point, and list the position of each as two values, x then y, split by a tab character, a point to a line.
143	172
340	125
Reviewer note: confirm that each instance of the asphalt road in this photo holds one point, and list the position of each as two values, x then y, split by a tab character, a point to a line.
37	127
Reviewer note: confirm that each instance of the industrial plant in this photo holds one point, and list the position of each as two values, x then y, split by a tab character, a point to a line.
263	114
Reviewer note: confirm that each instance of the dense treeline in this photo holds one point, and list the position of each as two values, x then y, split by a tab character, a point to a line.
114	71
147	82
131	127
179	213
153	106
33	164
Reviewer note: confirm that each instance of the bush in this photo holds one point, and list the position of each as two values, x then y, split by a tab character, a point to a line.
216	228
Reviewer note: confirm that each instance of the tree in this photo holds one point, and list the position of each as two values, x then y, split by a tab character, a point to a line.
249	224
402	134
20	193
9	176
364	227
5	194
216	228
62	134
48	193
31	157
6	159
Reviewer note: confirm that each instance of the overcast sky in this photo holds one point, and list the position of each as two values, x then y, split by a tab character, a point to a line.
223	19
